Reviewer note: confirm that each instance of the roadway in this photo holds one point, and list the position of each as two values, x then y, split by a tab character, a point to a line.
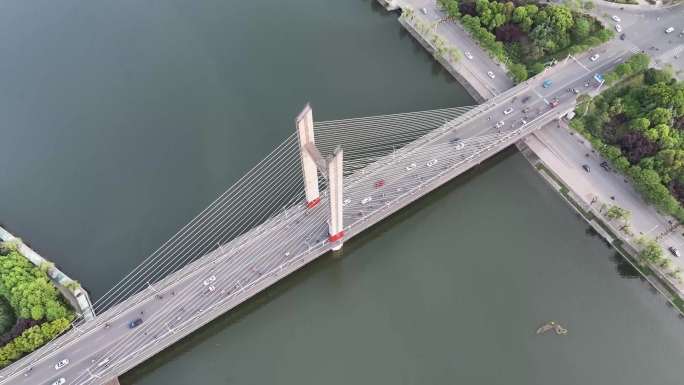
182	302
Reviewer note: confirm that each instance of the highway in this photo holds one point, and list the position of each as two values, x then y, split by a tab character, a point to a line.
183	302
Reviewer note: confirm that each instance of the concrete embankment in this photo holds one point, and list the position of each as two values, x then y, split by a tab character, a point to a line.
70	289
546	163
474	88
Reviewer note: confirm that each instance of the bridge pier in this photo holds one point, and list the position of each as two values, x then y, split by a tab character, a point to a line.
305	133
335	187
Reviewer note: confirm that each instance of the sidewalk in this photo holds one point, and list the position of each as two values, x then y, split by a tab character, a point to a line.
564	152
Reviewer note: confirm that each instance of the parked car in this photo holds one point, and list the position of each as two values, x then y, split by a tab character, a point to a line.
605	166
618	28
669	30
59	381
623	36
468	55
595	57
379	183
615	18
490	74
135	323
674	251
508	110
499	124
586	168
424	10
554	102
525	100
547	83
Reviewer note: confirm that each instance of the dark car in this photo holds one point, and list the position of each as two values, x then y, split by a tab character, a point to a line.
623	36
605	166
525	99
586	167
135	323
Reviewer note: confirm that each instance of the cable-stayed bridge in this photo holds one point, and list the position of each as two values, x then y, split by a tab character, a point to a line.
322	185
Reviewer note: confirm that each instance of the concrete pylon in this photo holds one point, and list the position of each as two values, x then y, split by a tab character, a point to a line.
305	132
335	187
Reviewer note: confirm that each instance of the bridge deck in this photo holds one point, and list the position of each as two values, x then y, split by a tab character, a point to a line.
238	270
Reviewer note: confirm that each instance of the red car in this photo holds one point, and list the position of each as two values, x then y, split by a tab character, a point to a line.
379	183
554	102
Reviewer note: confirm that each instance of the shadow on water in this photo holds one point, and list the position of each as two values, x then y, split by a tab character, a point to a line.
323	263
624	268
590	231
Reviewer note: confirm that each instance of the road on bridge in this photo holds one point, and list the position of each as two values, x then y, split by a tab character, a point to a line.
205	289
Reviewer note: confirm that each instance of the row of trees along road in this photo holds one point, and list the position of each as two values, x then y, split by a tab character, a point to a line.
32	312
638	125
527	37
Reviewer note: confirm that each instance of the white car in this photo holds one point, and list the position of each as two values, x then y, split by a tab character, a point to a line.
62	364
499	124
209	280
508	110
432	163
410	167
594	58
618	28
366	200
103	362
490	74
424	10
211	289
523	121
669	30
468	55
616	19
59	381
346	202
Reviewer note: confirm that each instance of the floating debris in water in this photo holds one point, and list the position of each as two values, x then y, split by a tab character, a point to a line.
552	325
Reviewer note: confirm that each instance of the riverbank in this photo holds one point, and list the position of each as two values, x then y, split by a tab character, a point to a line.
72	291
670	287
557	175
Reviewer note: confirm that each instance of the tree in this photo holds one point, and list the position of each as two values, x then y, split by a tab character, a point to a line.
519	72
581	29
615	212
660	116
650	251
561	18
635	146
509	33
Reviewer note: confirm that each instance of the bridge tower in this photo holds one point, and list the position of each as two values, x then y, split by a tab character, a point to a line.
335	184
305	132
331	168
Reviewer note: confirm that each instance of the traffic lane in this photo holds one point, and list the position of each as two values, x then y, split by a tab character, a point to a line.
151	309
480	62
651	32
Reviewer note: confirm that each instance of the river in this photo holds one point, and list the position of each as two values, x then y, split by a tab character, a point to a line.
124	119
